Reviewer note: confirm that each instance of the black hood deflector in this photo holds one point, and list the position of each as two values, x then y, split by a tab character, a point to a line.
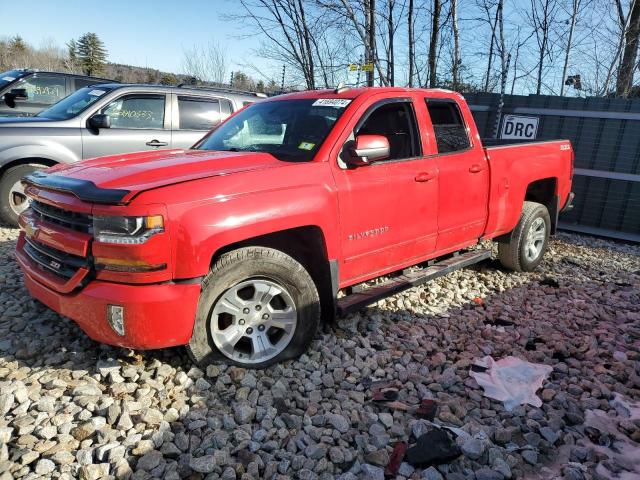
85	190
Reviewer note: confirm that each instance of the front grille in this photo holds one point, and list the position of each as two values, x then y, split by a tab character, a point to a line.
80	222
53	260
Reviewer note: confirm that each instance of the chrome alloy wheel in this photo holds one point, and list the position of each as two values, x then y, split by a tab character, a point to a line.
253	321
534	243
18	200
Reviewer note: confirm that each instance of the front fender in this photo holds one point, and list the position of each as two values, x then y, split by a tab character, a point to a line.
47	150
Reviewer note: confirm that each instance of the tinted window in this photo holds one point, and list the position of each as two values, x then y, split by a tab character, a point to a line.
85	82
448	127
291	130
9	76
226	107
136	111
198	113
396	122
43	89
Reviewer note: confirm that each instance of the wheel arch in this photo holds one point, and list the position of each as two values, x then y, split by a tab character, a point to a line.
545	192
26	161
307	245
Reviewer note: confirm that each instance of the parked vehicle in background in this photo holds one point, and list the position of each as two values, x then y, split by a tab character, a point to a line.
28	92
237	247
106	119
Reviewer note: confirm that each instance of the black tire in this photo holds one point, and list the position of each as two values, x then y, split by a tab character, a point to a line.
10	177
513	253
240	265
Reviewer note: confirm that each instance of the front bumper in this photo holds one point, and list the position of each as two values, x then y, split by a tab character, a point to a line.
155	315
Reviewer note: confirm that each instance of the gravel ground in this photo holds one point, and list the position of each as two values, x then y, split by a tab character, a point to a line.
71	408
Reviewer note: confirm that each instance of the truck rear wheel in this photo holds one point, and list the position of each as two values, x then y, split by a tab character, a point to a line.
258	306
13	200
527	242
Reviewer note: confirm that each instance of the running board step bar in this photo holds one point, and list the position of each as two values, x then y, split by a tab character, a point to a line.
357	301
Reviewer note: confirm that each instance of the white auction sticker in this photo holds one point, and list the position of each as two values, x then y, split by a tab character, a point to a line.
8	79
96	93
332	102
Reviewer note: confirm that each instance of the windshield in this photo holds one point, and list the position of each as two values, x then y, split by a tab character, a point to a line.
290	130
7	77
75	103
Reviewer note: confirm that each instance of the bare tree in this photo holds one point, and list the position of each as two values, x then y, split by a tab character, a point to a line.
575	8
541	17
433	43
628	63
411	40
455	68
208	63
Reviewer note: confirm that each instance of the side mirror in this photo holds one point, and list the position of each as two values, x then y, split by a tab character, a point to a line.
369	149
100	120
15	94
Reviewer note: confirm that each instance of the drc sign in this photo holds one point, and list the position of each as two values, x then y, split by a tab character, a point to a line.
519	128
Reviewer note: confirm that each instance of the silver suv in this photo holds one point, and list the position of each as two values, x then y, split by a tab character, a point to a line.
107	119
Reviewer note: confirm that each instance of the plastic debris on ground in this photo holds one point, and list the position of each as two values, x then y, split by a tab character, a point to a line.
433	448
511	380
399	450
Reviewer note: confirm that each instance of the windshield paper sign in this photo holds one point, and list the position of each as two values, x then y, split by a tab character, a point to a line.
96	93
332	102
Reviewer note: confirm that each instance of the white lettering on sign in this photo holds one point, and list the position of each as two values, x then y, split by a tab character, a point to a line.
332	102
519	127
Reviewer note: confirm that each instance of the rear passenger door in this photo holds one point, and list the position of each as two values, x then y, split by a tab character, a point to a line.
139	121
463	175
194	116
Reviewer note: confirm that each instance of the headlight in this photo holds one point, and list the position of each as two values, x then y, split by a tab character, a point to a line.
126	230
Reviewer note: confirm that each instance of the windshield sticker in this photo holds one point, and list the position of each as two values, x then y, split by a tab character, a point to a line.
8	79
332	102
306	146
97	93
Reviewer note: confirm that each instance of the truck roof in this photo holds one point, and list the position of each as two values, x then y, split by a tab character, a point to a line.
183	88
353	93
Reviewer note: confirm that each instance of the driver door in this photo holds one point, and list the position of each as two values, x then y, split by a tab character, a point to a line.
138	122
388	209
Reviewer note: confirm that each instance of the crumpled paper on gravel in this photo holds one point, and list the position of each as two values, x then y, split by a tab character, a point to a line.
511	380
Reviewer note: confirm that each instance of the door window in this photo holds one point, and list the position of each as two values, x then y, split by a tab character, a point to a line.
198	113
448	127
137	111
397	122
43	89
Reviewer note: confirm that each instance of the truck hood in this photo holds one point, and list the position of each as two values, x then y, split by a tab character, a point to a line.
117	179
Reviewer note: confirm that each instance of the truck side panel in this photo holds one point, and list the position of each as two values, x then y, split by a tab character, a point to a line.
513	169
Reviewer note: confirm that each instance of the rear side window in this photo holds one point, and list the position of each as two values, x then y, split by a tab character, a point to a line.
448	127
137	111
198	113
43	89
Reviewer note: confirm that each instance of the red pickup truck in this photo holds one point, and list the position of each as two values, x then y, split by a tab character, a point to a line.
239	246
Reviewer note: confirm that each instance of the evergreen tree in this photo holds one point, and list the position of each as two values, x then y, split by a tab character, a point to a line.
17	46
91	54
72	51
168	79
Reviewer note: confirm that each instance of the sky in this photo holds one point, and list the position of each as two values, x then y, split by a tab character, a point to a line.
145	33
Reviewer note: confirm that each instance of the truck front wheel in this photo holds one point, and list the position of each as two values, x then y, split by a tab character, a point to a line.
258	306
13	200
526	244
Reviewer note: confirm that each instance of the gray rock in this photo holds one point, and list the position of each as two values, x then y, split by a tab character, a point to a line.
45	467
489	474
149	461
472	448
338	422
204	464
530	456
371	472
431	473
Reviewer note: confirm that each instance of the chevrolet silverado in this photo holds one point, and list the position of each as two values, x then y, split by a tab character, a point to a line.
239	246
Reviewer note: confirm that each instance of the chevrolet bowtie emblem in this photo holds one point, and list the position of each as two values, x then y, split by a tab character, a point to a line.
30	229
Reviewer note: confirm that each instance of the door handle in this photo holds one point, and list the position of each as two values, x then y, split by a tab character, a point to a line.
157	143
425	176
475	168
